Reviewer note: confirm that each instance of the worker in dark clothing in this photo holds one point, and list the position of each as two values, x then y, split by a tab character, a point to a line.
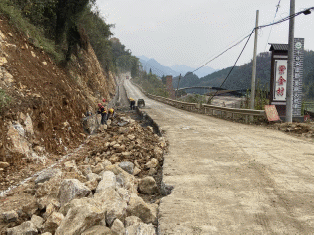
110	113
132	103
103	113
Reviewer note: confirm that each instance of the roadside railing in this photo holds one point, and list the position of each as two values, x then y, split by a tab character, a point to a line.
207	109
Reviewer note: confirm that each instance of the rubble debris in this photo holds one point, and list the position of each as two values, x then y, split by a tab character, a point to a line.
97	189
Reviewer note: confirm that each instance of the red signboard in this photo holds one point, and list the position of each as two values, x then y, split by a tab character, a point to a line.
271	113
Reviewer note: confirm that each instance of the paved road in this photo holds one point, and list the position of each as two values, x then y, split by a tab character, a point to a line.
231	178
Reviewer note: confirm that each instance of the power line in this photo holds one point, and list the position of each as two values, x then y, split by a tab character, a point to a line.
306	11
222	53
278	5
249	36
260	27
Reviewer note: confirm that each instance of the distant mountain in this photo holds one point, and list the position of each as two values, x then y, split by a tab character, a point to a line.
157	68
240	77
183	69
176	70
144	58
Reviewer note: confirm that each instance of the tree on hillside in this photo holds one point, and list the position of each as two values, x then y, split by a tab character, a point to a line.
98	32
68	12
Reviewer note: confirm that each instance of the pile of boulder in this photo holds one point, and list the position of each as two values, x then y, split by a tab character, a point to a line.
305	129
98	190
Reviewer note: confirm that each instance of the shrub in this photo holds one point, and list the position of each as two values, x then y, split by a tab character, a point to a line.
4	100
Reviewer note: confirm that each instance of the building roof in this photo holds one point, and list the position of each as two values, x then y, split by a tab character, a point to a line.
278	47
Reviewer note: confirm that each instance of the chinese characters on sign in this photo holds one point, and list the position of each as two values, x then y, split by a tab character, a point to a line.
281	80
298	56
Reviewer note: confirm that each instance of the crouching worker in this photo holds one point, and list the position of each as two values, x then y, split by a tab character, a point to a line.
110	113
103	113
132	103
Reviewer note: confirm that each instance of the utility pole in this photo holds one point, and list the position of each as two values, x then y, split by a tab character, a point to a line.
254	66
178	86
289	88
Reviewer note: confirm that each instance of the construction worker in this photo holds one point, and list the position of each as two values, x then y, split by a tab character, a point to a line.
103	113
132	103
110	113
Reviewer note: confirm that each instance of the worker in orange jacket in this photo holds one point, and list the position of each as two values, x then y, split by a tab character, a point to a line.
103	112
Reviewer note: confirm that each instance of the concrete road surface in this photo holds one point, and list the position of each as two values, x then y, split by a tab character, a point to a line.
231	178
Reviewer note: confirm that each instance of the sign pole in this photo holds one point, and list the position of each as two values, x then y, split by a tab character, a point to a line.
290	63
254	66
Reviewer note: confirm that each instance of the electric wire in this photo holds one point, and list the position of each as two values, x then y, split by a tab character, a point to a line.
233	65
278	5
248	36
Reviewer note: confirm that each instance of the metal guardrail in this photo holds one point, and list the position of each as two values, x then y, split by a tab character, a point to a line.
206	108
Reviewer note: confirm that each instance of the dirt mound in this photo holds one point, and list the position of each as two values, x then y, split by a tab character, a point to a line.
303	129
47	101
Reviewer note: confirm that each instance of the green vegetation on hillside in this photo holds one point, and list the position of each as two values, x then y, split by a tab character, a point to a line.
62	27
240	78
4	100
151	84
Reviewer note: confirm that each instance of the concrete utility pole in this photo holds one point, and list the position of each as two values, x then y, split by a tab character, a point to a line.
254	66
290	64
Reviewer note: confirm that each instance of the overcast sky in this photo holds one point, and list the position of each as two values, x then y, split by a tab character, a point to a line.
185	32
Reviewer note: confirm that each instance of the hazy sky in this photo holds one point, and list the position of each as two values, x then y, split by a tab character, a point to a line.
185	32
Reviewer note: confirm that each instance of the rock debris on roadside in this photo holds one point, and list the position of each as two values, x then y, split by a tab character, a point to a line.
96	191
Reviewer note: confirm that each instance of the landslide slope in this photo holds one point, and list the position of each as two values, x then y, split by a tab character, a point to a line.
44	117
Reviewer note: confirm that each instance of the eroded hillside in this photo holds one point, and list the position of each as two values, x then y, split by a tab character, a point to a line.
44	115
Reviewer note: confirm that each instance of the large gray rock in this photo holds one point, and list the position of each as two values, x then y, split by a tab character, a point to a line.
139	229
108	180
47	175
27	228
114	204
79	219
127	166
70	189
48	191
53	222
9	216
137	207
118	227
148	185
91	123
98	230
16	133
132	220
127	181
124	194
37	221
77	203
